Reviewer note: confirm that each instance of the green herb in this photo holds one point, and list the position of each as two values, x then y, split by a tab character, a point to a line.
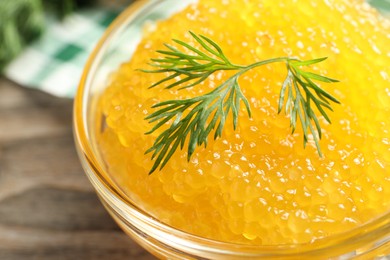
195	118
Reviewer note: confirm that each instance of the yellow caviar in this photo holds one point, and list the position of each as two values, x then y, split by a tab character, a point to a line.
258	184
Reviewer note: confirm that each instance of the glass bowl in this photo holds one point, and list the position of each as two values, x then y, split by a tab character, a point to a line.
116	46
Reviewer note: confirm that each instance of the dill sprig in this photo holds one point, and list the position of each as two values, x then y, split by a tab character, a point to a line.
195	118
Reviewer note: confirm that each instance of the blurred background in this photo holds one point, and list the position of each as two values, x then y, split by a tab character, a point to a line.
45	43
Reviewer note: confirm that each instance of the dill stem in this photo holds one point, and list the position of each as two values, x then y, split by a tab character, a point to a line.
195	118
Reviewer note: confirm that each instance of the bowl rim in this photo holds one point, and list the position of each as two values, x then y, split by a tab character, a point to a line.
358	236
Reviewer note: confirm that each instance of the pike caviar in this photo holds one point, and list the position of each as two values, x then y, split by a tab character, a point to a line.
258	184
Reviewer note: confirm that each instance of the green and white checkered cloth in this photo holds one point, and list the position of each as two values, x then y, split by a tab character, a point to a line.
55	62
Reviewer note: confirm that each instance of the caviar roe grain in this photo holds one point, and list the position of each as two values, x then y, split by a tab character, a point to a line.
258	185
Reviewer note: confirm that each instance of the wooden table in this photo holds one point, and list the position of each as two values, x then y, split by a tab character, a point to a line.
48	209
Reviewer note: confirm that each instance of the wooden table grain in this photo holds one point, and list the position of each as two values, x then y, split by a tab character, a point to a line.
48	209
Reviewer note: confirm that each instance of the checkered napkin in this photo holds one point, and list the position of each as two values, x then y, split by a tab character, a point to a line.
55	62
